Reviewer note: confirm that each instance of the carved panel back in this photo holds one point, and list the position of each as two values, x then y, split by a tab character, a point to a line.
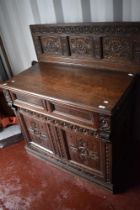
111	42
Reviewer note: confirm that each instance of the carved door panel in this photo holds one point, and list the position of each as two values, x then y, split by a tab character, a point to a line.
37	132
87	152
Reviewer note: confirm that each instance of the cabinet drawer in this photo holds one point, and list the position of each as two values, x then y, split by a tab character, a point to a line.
77	115
29	99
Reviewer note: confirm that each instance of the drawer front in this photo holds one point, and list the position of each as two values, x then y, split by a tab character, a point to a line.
29	99
77	115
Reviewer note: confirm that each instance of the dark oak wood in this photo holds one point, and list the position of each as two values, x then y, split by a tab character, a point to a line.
76	105
86	87
114	45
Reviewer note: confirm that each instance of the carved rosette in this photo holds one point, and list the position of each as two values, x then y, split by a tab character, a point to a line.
54	45
81	46
51	45
117	47
96	28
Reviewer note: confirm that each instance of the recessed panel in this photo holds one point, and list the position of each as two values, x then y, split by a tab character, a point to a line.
117	48
55	45
81	46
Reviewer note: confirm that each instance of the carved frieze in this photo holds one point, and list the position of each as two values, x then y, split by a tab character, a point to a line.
96	28
103	132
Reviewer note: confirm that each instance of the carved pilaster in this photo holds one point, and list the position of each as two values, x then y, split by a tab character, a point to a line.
108	157
104	127
9	100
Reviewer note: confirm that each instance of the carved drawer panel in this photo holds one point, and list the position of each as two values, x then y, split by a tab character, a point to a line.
75	114
87	152
29	99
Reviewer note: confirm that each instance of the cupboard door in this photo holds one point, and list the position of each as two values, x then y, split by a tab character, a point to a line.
87	152
37	132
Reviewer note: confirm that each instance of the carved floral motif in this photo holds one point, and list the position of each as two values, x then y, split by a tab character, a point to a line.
117	47
37	131
51	45
81	46
81	147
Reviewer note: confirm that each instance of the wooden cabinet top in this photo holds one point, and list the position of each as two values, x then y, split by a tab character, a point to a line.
93	89
88	65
